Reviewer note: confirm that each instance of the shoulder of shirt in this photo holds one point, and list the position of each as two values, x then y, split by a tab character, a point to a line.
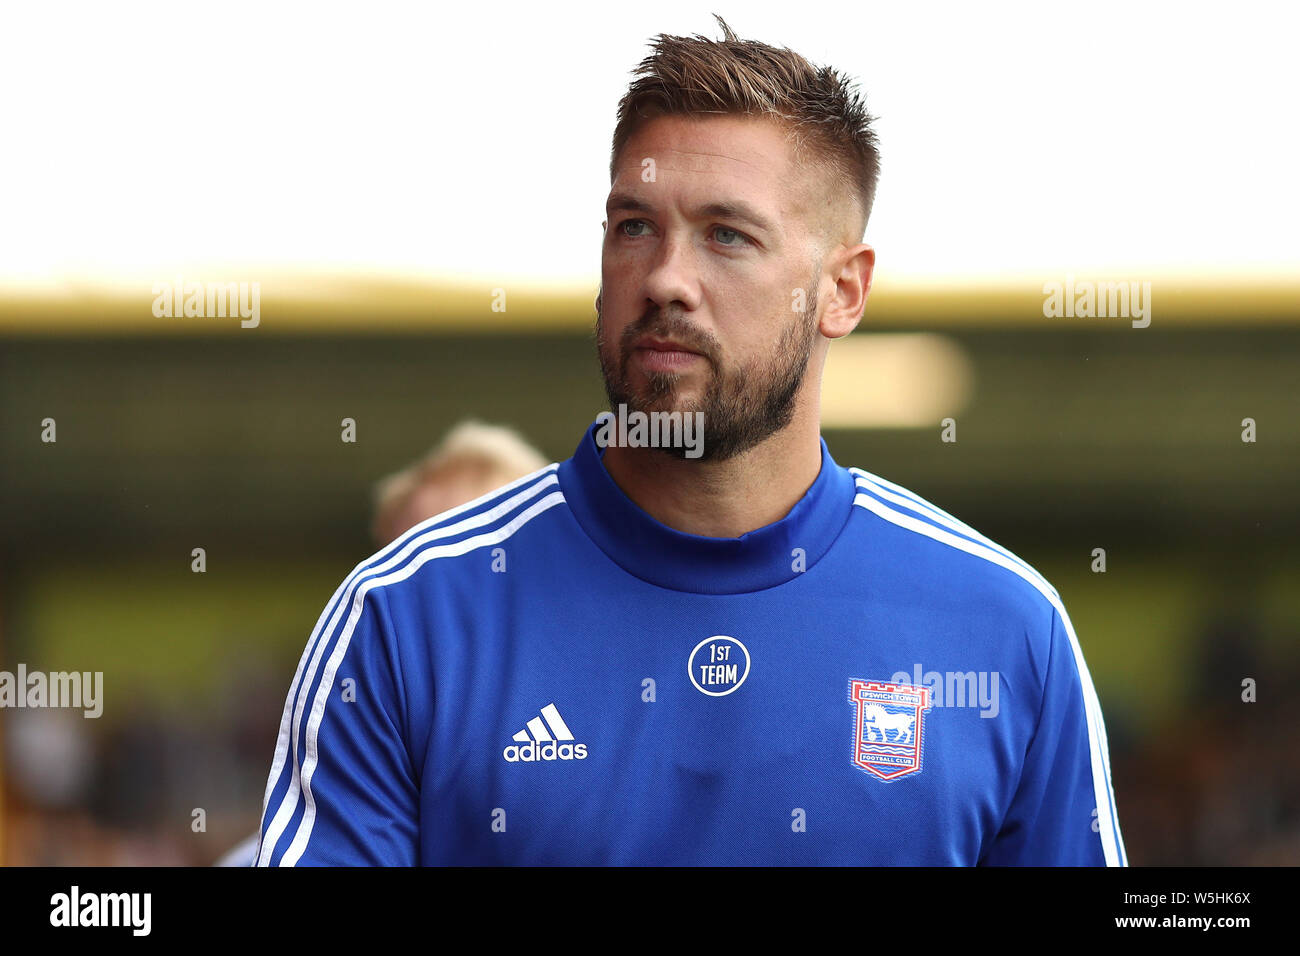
445	540
981	563
990	572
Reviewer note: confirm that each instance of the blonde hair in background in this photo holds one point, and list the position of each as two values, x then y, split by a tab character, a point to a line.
473	459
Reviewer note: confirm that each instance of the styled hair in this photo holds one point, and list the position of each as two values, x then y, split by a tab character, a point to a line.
828	127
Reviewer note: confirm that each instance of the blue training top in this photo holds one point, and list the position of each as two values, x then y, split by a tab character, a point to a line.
548	675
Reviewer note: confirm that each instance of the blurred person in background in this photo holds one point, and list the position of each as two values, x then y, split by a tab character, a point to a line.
471	461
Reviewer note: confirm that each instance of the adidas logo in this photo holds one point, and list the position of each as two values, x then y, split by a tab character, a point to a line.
545	738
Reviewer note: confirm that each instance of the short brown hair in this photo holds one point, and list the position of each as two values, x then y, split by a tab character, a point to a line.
830	129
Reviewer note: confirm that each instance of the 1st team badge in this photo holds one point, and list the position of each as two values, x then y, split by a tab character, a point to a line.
718	665
889	727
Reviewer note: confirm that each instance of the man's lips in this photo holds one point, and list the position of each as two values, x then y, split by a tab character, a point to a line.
663	355
662	345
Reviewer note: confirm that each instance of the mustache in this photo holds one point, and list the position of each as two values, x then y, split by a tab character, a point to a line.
668	325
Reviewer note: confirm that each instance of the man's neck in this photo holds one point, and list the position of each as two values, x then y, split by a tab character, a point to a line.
723	499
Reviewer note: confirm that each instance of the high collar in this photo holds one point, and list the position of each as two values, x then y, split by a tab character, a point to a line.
654	552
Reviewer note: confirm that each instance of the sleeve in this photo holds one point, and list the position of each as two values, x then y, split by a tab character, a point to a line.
342	789
1063	810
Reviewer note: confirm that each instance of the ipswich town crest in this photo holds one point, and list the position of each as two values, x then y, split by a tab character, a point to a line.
888	727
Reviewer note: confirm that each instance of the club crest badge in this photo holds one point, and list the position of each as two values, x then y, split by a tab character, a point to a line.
889	727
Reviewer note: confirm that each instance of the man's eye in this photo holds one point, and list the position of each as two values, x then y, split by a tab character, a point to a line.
740	236
726	236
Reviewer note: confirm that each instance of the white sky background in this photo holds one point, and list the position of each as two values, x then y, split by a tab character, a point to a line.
1106	139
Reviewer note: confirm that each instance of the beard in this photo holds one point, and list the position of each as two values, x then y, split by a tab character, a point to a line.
742	406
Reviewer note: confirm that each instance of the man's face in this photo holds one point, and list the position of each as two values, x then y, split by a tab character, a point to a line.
708	281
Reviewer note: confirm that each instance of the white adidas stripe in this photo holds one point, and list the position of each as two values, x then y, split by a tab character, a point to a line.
391	555
1111	842
901	496
539	730
558	726
303	834
282	740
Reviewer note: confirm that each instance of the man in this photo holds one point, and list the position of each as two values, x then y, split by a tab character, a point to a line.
734	652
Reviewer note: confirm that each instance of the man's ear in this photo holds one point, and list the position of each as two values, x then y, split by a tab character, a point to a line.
852	286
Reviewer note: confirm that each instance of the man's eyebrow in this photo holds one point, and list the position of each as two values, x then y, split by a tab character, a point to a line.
725	209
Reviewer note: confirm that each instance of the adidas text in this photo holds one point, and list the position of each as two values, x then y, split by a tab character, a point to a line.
533	752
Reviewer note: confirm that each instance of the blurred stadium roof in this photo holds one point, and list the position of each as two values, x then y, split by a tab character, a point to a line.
367	305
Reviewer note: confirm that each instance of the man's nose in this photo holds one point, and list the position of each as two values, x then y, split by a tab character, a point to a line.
674	275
